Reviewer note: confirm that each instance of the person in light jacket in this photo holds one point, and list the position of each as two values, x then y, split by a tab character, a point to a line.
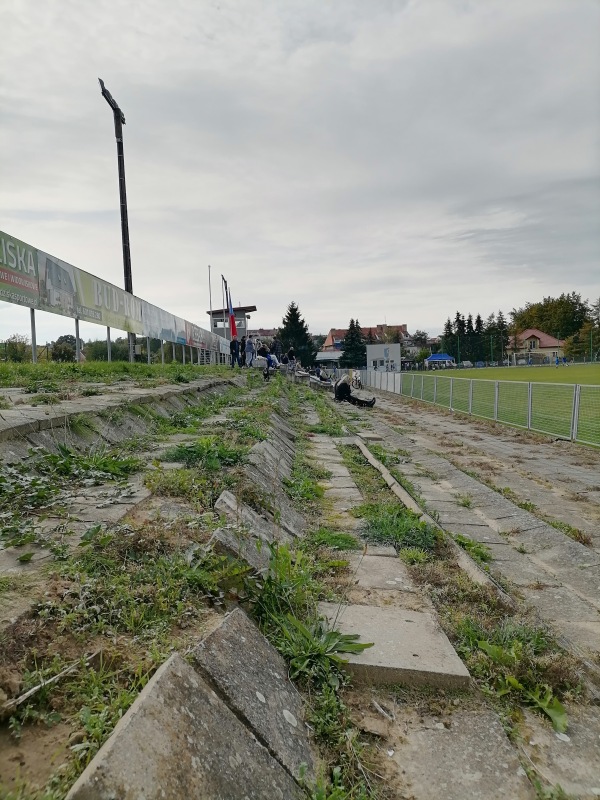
250	352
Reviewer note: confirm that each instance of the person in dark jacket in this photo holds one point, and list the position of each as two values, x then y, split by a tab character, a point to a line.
343	393
234	349
277	348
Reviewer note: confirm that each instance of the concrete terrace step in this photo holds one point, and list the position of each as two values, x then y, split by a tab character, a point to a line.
179	740
408	646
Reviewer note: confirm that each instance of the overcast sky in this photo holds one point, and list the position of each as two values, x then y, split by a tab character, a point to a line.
387	160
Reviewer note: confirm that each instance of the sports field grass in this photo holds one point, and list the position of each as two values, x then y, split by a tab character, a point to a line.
549	408
588	374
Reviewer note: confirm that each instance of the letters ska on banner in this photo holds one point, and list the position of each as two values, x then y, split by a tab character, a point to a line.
32	278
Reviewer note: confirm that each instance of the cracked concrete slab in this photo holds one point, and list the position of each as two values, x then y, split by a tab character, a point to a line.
371	571
471	759
241	514
409	647
179	740
239	543
252	677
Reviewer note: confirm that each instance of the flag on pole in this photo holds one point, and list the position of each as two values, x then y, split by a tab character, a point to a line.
231	316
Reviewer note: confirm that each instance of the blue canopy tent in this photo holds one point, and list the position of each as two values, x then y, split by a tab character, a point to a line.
440	361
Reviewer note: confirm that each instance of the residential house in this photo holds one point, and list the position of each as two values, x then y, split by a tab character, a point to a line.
535	347
335	338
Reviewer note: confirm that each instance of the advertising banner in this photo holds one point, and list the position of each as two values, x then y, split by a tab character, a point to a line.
197	336
18	272
180	331
158	323
32	278
67	290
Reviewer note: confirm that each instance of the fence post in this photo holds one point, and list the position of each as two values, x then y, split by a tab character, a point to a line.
529	400
575	417
451	389
471	396
434	389
33	339
496	393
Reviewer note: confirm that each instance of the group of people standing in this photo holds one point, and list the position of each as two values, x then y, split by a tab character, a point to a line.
245	351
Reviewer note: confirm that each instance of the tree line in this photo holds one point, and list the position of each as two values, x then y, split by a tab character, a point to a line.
567	317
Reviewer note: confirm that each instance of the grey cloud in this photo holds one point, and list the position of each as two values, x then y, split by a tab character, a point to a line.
352	156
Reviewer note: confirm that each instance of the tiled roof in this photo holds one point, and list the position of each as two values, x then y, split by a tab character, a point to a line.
544	339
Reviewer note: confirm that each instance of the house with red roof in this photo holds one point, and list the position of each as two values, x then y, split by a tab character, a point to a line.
335	337
536	346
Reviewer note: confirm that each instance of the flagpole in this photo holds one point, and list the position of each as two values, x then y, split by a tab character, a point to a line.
212	324
223	290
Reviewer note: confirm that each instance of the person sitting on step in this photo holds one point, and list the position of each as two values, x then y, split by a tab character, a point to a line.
343	393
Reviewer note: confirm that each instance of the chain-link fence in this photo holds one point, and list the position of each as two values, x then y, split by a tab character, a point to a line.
568	411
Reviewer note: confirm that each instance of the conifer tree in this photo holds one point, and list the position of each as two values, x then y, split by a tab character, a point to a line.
355	351
294	333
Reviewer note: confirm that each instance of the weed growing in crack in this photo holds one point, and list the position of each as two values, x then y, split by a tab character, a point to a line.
478	552
413	555
393	524
302	487
95	467
201	490
81	424
514	661
464	500
331	423
284	605
208	453
335	540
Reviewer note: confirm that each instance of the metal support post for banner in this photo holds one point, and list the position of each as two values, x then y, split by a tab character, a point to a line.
162	352
173	346
108	345
148	347
33	339
198	355
183	354
496	393
471	396
119	119
77	345
191	356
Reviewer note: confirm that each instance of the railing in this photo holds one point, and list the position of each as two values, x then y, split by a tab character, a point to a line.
567	411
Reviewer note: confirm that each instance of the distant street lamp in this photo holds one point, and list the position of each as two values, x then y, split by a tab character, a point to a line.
119	118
